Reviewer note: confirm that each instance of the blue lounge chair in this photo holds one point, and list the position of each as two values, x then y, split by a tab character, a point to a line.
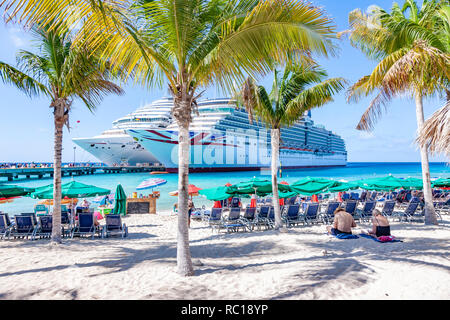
366	213
311	214
114	226
249	218
263	217
215	218
44	229
32	215
350	207
388	208
23	227
292	215
328	215
4	228
407	213
233	222
86	226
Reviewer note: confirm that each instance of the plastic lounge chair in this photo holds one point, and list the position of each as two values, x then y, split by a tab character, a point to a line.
215	218
44	229
4	228
388	208
350	207
311	213
407	213
328	215
262	218
249	218
23	228
291	217
233	221
114	226
32	215
86	226
366	212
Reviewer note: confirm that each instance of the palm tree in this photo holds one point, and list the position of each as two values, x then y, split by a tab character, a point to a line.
192	45
301	87
413	59
61	73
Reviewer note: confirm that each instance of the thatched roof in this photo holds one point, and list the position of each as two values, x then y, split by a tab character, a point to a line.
436	132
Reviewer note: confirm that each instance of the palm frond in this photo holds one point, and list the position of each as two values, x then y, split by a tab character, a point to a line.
22	81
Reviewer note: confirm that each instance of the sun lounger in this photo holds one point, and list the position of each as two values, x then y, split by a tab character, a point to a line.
32	215
86	226
4	228
407	213
262	218
233	222
350	207
23	227
45	226
388	208
311	214
366	213
215	218
328	215
249	218
114	226
292	215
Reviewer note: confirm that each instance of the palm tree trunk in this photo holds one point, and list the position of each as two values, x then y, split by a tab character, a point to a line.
184	261
275	141
56	216
430	214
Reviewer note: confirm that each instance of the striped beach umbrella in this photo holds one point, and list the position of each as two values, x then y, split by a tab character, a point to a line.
151	183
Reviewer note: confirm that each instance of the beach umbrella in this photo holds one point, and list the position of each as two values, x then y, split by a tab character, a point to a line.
151	183
13	191
388	183
311	186
441	183
344	186
121	201
49	202
413	183
259	186
218	194
192	191
70	190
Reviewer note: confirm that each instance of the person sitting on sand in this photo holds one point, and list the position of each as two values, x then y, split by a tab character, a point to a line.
380	225
343	223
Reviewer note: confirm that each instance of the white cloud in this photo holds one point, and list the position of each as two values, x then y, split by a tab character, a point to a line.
16	36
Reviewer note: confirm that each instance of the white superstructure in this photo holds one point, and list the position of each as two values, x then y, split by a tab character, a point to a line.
115	146
223	139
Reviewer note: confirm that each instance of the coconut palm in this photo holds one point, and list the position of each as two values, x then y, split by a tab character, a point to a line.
301	87
61	73
413	59
192	45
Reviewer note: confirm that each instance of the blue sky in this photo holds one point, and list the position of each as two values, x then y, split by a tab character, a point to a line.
27	127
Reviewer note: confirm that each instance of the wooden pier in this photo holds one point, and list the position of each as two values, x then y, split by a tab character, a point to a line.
42	173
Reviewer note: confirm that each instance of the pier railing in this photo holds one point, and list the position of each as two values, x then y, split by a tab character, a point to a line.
41	173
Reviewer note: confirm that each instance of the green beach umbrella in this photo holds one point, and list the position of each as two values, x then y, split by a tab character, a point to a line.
344	186
311	186
388	183
259	186
442	183
10	191
413	183
218	194
121	201
70	190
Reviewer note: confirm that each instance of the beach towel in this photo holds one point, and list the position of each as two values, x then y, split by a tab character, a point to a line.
382	239
346	236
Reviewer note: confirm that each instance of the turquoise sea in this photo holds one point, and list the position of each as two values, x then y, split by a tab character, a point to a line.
129	181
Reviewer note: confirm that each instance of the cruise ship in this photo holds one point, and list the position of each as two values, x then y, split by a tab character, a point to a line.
116	147
223	139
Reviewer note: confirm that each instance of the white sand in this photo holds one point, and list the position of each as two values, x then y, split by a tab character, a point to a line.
303	264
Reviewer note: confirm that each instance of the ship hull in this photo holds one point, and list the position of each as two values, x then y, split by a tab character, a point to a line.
116	150
215	151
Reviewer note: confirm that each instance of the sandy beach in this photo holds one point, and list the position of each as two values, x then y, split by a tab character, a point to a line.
302	264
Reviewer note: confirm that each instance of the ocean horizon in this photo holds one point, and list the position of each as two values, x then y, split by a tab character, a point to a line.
129	181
